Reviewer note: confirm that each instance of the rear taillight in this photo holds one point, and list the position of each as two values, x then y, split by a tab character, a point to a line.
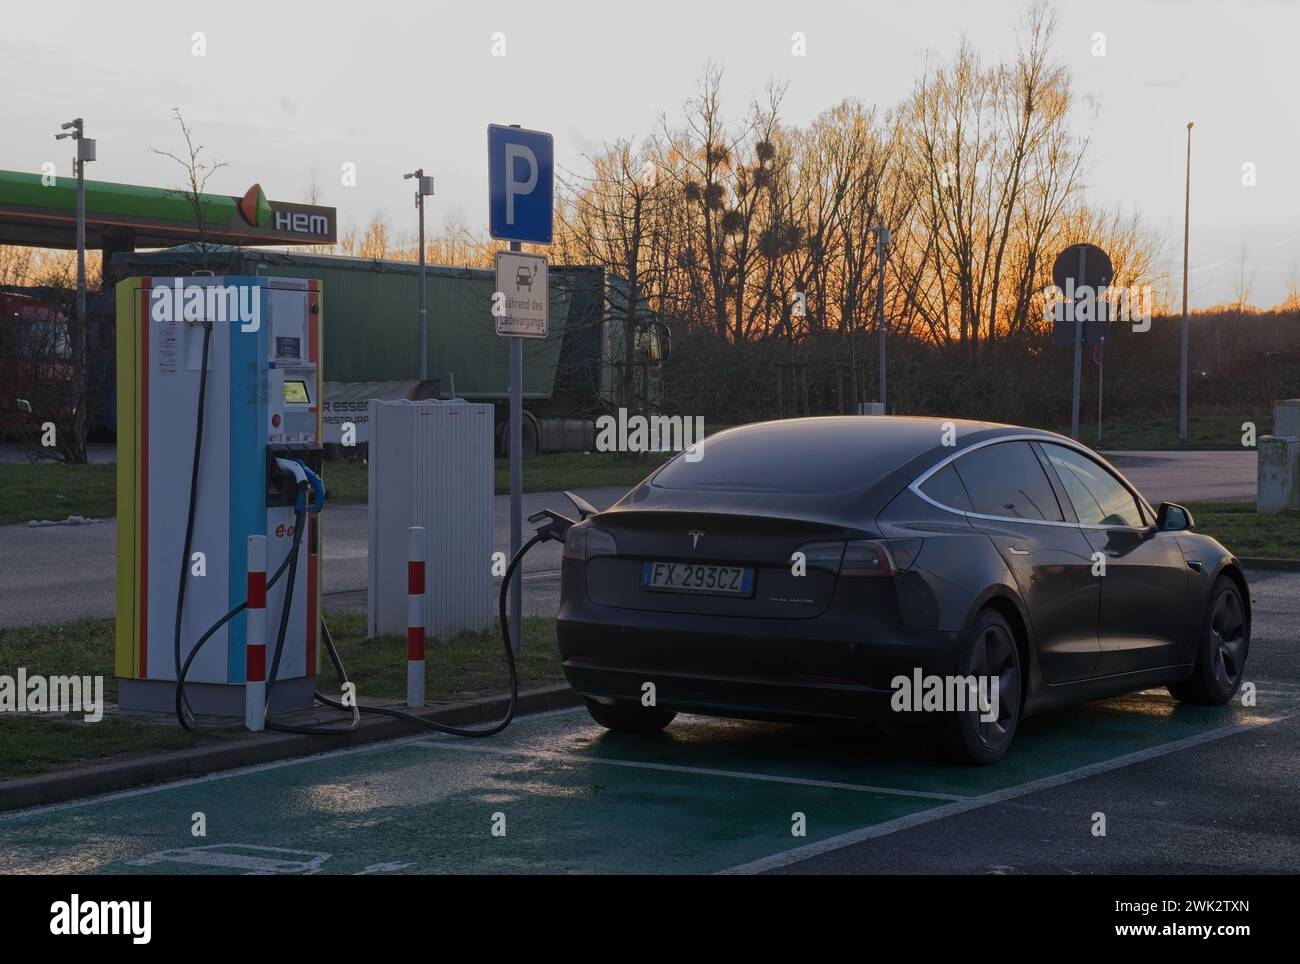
859	557
582	542
820	555
862	557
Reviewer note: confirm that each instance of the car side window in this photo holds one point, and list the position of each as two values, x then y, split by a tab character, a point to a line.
1007	480
1098	497
946	489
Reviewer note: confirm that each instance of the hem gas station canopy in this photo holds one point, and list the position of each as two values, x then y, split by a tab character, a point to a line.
42	212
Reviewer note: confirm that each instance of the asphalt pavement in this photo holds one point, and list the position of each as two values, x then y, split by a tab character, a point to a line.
1191	789
1189	476
1223	805
56	573
59	573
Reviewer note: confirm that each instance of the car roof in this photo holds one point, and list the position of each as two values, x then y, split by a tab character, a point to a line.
904	435
828	468
911	443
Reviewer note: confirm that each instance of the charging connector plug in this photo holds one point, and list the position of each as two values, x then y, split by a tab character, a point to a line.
550	525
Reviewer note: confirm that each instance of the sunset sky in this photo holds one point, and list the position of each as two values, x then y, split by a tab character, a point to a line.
288	93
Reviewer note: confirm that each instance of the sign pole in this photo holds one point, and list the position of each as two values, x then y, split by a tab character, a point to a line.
516	481
1079	267
1101	377
1078	344
1183	328
882	243
521	209
1103	312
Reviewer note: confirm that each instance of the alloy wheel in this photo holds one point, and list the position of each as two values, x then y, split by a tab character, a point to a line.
1228	638
995	657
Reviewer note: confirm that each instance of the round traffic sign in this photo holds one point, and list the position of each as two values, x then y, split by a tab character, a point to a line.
1088	258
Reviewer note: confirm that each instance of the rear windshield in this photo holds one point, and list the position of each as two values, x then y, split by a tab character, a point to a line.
806	461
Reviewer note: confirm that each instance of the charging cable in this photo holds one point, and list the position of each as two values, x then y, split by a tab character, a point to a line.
550	526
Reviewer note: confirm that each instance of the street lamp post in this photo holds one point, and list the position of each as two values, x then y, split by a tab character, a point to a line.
882	244
75	130
1183	333
423	189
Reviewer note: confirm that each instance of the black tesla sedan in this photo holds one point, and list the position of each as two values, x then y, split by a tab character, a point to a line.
862	568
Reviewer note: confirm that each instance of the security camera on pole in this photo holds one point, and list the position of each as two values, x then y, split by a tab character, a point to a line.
75	129
424	188
520	209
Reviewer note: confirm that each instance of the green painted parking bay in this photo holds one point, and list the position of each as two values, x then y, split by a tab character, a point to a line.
562	795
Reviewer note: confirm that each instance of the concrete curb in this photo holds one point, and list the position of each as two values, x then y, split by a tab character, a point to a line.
266	747
1285	565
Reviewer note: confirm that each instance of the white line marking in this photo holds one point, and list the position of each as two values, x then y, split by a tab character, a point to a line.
698	771
797	854
244	771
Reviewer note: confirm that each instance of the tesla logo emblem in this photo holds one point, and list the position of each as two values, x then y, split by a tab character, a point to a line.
696	535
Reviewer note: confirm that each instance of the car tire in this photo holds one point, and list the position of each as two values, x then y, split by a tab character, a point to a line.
1221	652
988	648
630	717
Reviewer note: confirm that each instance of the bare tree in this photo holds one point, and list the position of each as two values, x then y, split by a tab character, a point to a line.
374	243
193	189
608	218
59	369
998	165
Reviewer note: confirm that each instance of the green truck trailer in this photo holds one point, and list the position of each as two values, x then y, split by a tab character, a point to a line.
371	340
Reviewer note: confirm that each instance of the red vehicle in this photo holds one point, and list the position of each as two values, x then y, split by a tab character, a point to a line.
34	349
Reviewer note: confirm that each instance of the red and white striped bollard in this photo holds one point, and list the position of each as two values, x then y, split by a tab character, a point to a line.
255	633
415	616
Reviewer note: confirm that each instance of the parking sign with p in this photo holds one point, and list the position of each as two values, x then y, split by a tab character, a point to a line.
520	184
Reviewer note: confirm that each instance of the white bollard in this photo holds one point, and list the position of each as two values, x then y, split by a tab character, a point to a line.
415	616
1286	417
1278	473
255	633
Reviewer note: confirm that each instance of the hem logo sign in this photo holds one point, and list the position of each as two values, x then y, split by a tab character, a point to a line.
75	918
227	304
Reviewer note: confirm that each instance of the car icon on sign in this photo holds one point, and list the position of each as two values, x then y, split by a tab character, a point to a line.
524	278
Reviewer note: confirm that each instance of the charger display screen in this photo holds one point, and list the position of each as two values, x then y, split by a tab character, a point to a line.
296	391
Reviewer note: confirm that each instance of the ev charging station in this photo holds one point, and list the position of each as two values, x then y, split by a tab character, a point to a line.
184	521
219	453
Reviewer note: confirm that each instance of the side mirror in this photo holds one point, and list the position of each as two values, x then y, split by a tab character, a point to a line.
1171	517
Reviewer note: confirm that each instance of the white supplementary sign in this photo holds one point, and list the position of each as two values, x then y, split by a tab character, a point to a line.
521	303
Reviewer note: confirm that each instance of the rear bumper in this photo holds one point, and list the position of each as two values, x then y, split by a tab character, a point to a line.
729	697
836	666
